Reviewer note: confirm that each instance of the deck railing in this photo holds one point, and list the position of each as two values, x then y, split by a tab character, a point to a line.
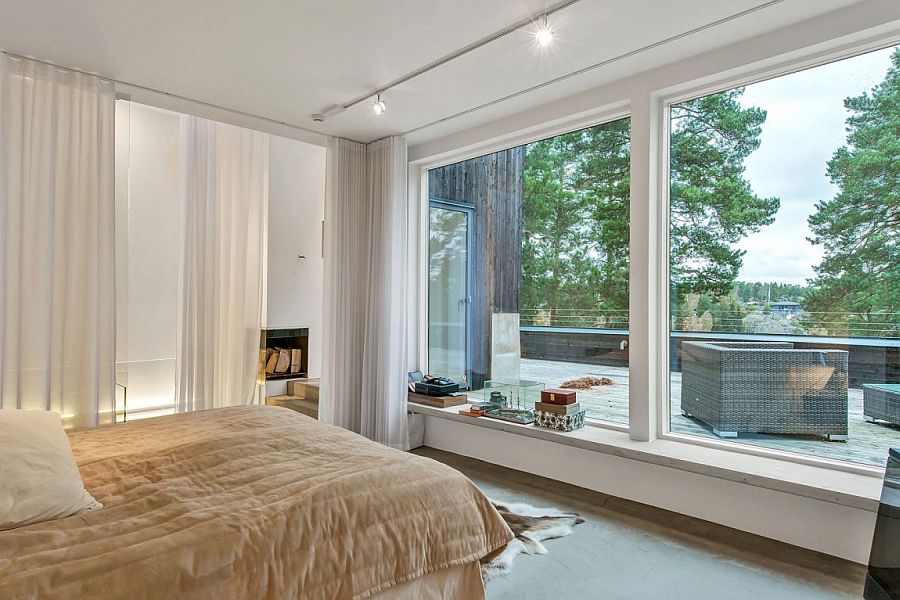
871	360
761	320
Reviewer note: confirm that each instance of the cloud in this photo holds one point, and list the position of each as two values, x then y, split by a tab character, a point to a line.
805	125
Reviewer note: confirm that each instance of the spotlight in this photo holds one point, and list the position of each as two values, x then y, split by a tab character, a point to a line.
379	106
544	35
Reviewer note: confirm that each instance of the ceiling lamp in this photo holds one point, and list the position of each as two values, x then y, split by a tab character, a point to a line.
544	35
379	106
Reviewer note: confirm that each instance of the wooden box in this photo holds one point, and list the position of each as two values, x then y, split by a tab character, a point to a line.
437	401
560	409
555	396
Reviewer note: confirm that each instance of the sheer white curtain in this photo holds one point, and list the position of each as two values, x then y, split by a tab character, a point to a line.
363	371
222	275
57	239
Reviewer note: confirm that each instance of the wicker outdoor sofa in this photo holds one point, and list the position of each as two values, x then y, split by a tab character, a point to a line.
881	401
765	387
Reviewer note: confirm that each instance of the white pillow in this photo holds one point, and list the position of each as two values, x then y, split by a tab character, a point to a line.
39	480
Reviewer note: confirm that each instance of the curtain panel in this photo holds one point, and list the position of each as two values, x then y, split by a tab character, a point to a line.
222	273
364	355
57	240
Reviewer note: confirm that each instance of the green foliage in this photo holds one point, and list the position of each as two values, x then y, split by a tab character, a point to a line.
575	246
704	312
577	186
858	279
712	204
768	322
756	291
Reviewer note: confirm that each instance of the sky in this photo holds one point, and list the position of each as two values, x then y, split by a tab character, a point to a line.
805	125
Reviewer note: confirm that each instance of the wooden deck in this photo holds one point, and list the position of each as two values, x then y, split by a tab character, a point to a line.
868	442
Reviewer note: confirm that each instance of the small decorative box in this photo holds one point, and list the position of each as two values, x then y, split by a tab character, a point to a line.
554	396
559	422
560	409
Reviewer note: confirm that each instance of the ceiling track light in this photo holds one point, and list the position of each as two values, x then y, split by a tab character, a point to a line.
379	106
537	23
544	34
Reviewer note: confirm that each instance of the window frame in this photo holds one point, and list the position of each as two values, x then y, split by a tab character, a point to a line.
469	211
606	114
662	103
645	98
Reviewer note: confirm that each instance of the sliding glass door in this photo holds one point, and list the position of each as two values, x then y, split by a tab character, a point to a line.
449	250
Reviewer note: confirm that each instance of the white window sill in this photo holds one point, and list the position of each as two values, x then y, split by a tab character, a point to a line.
849	489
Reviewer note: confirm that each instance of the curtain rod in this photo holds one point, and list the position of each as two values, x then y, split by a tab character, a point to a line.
144	88
598	65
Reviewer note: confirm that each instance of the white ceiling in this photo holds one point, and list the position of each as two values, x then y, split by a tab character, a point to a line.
285	60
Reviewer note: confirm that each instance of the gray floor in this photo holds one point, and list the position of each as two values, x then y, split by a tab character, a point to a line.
626	550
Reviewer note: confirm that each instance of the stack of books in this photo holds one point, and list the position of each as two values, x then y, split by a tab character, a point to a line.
558	409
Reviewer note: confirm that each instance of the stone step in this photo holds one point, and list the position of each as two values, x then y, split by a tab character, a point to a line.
305	406
304	388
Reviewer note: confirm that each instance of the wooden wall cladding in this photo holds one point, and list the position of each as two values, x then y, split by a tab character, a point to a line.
494	186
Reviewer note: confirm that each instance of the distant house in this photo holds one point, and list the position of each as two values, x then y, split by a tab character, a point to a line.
785	308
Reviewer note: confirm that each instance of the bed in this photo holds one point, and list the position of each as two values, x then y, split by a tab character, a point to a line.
255	502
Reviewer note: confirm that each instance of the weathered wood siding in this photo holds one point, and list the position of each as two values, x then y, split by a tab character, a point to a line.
494	186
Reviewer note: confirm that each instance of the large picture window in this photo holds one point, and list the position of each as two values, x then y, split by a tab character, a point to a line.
785	262
528	267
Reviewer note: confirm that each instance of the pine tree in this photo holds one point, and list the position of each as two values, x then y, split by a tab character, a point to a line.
575	248
712	204
577	193
858	280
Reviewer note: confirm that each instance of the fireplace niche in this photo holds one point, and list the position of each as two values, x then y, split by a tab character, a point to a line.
283	338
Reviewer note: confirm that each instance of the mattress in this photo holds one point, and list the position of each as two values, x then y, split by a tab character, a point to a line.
249	502
462	583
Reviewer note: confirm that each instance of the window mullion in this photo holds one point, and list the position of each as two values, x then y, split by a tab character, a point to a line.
646	293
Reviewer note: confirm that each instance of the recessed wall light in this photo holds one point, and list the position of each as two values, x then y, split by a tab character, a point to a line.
379	106
544	35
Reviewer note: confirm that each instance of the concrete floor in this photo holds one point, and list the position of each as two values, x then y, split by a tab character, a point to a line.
631	551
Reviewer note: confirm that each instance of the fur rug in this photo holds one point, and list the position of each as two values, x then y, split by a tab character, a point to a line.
532	526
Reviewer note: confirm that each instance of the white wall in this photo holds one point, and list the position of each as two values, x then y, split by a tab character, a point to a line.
296	211
148	212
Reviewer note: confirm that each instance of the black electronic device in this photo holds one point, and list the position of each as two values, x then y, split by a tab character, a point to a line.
414	377
436	386
883	575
